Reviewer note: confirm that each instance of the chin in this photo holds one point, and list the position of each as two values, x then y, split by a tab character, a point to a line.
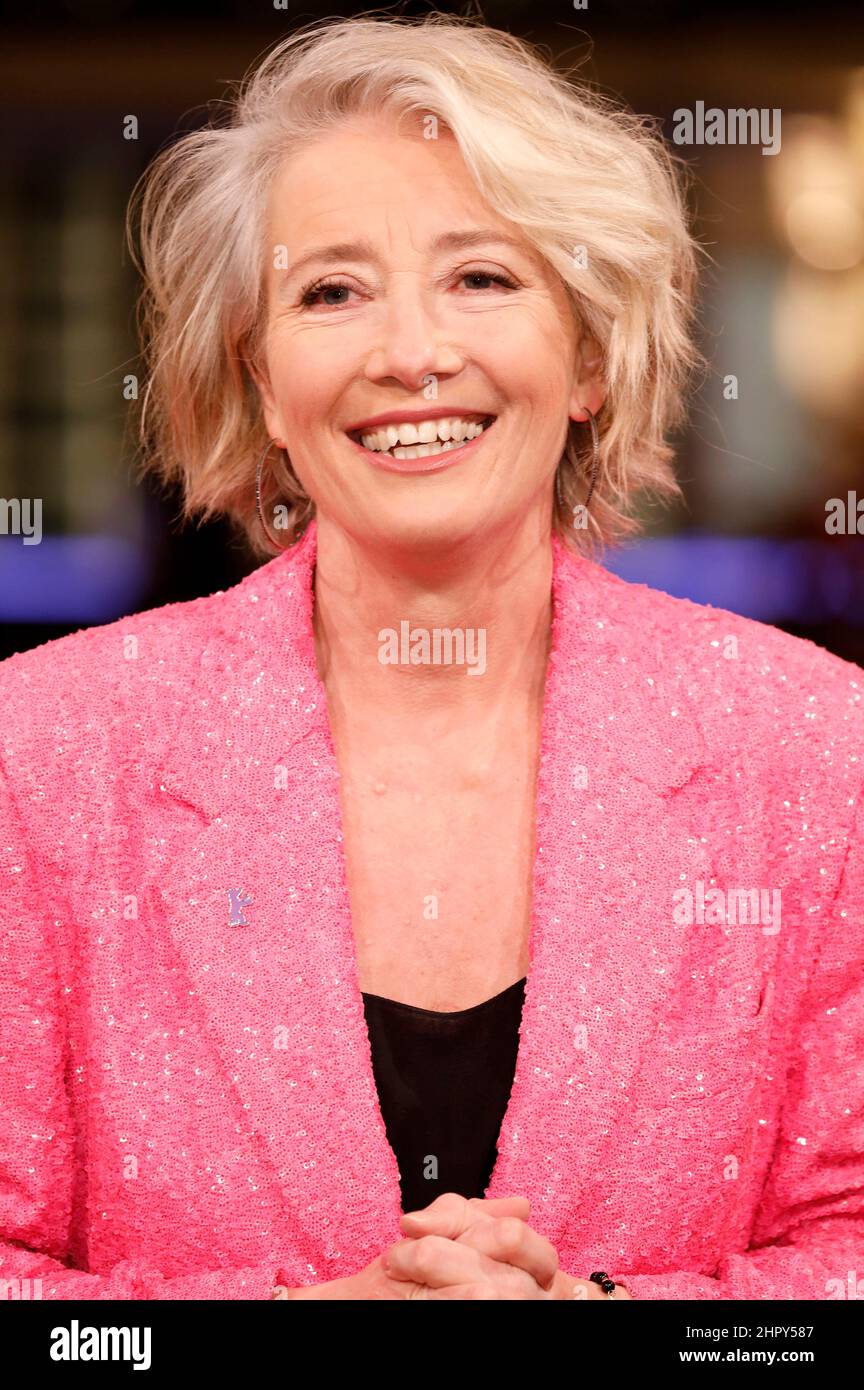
420	529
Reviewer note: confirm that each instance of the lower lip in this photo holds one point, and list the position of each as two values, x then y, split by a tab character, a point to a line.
432	463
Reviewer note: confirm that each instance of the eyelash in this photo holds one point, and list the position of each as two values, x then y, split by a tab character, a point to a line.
318	287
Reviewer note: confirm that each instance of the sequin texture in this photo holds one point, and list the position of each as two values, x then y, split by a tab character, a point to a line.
188	1106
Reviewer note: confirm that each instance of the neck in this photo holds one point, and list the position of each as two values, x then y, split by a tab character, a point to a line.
378	610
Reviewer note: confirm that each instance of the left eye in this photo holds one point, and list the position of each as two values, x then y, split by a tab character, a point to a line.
314	293
497	277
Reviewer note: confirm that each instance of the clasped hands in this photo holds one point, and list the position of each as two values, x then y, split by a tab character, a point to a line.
476	1248
465	1248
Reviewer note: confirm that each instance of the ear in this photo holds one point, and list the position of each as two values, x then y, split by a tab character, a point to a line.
589	387
270	409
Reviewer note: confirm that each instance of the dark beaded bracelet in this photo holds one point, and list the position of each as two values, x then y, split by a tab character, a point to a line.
602	1278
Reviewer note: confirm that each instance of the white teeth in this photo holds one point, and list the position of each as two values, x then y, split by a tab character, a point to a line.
420	451
428	436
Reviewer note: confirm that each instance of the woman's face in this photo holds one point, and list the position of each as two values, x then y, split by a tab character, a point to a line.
405	295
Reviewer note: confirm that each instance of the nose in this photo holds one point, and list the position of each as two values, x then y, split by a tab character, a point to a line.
412	345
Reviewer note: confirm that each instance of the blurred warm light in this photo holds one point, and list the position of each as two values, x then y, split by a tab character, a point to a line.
817	193
826	230
816	188
855	116
819	340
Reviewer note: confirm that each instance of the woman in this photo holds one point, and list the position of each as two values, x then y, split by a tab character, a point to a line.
582	982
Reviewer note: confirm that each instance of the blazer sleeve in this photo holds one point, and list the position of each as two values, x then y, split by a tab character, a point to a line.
808	1235
37	1160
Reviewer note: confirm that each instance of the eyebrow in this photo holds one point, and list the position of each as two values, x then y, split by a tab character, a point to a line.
363	250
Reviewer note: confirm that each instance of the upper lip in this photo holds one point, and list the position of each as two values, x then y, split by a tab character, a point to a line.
413	417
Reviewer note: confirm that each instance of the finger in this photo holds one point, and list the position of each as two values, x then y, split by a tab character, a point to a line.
433	1260
451	1214
465	1292
513	1242
438	1262
510	1282
504	1206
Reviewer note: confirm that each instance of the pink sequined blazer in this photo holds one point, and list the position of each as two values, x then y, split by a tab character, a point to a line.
188	1104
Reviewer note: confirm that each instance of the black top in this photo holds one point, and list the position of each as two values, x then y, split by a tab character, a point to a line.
443	1082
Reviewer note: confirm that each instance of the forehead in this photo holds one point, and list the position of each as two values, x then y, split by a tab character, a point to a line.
368	166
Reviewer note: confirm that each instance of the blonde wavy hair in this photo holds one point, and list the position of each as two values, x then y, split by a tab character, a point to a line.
592	186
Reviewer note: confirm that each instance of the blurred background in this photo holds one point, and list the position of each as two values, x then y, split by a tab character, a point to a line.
772	459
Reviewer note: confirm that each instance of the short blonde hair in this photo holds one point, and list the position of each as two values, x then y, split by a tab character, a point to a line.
593	187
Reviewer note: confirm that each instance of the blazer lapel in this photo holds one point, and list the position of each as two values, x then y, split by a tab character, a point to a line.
256	904
615	746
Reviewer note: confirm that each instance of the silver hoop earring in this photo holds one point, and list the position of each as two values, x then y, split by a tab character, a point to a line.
595	461
258	472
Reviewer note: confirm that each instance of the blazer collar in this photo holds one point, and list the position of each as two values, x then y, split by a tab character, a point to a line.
249	787
255	686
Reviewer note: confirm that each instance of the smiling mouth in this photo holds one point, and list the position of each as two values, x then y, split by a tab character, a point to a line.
413	441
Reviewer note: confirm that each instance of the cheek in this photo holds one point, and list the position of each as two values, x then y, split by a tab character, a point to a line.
307	377
529	353
540	383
